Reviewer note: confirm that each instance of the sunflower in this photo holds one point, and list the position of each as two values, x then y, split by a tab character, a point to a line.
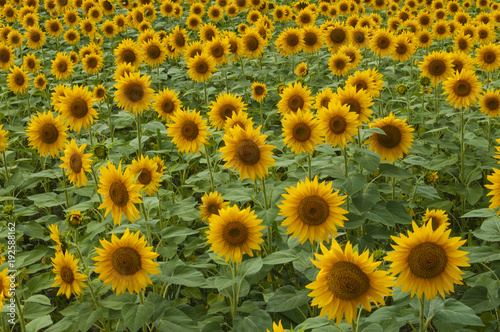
6	57
437	218
362	80
397	140
462	88
338	124
223	108
133	92
76	108
179	39
494	186
301	131
301	69
312	39
15	39
312	211
3	140
289	41
71	18
259	91
207	32
120	192
188	130
238	119
405	47
428	261
54	27
337	35
99	92
76	162
62	67
55	236
247	152
234	232
4	285
153	52
235	45
436	65
125	262
339	64
424	39
17	80
65	269
323	98
485	33
218	49
166	103
201	67
353	53
92	63
194	48
489	103
347	279
128	51
382	43
358	101
193	22
360	37
253	43
488	57
294	97
47	134
122	69
461	61
212	203
145	170
215	13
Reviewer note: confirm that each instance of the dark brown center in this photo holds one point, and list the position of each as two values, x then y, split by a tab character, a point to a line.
128	56
118	193
75	162
337	35
347	281
153	51
427	260
49	133
67	275
126	261
134	92
189	130
392	137
301	132
437	67
145	176
313	210
248	152
462	88
235	233
295	102
252	43
338	124
310	39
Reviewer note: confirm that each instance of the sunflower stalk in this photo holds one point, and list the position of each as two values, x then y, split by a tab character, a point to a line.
236	290
20	312
7	173
422	326
65	188
139	133
309	167
210	170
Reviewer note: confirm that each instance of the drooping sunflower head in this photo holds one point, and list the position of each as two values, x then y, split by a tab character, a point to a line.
211	204
189	131
234	232
74	218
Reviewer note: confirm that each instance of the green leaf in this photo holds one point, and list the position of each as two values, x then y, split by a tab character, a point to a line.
490	230
441	161
453	313
67	324
116	302
480	213
44	200
368	159
415	160
173	319
354	183
135	315
38	323
185	210
393	171
173	231
250	266
258	320
483	254
364	201
472	192
280	257
373	328
182	275
287	298
477	298
87	318
42	299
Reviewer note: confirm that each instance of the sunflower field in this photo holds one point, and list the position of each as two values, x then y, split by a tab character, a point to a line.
249	165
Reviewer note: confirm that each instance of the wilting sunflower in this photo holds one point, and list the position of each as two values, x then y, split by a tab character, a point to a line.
301	131
259	91
133	92
47	134
489	103
65	269
62	67
3	139
339	64
488	57
128	51
125	262
429	261
120	192
201	67
337	123
6	57
166	103
347	279
247	152
76	162
312	211
223	108
211	204
397	140
436	65
234	232
188	130
17	80
462	88
145	170
358	101
437	218
76	108
295	97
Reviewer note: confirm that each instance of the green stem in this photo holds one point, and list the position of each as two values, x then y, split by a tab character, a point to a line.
421	325
7	173
235	297
210	170
309	161
205	89
356	326
65	188
20	313
139	132
462	146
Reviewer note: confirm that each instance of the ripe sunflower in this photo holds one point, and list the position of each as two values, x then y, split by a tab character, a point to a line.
218	49
179	39
247	152
461	61
54	27
238	119
189	131
295	97
489	103
428	261
488	57
92	63
65	269
17	80
211	204
3	139
62	67
337	35
153	52
133	92
382	43
405	47
312	211
290	41
301	131
337	123
223	108
6	57
234	232
360	37
339	64
201	67
424	39
31	63
145	170
437	65
4	286
259	91
76	108
253	43
323	98
347	279
99	92
397	140
313	39
76	162
358	101
125	262
47	134
120	192
72	37
462	88
362	80
166	103
437	218
128	51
